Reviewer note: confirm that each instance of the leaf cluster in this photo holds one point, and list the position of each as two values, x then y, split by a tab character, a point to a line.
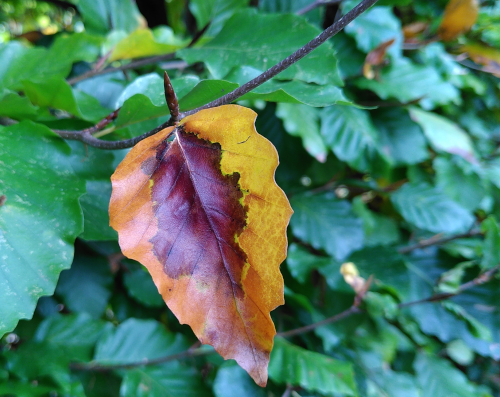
388	154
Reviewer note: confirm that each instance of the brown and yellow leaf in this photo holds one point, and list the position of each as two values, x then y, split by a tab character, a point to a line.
459	16
375	58
205	216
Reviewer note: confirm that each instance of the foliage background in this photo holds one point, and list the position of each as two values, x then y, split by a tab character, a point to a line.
371	166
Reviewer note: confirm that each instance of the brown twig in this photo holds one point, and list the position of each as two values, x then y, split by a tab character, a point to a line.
245	88
479	280
437	240
171	98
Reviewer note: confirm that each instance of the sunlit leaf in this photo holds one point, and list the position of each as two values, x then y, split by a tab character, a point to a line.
204	215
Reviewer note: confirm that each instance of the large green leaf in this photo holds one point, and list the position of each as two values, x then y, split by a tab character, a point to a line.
438	378
16	106
326	223
39	219
169	380
260	41
351	135
313	371
426	207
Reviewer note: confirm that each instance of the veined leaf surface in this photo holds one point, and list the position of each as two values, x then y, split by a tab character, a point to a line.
204	215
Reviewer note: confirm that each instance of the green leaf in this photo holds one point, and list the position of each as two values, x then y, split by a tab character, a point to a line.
136	340
351	135
303	121
260	41
438	378
379	229
460	183
99	16
475	327
401	139
426	207
57	341
57	93
491	253
169	380
146	42
443	134
326	223
95	205
313	371
39	219
300	262
86	286
25	389
141	287
293	91
15	106
215	12
407	81
231	381
388	383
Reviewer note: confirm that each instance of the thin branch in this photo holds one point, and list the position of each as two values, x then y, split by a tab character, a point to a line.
316	4
479	280
132	65
437	240
198	352
290	60
233	95
67	134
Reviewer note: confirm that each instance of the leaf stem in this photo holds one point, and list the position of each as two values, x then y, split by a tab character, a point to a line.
238	92
437	240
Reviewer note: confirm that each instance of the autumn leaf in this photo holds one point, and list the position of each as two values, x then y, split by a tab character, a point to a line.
484	55
202	212
459	16
375	58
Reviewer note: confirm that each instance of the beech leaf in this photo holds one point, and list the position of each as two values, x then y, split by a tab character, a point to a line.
203	213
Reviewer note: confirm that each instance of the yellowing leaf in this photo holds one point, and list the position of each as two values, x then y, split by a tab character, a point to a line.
204	215
459	16
143	43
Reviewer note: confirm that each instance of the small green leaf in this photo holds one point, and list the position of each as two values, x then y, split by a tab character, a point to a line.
313	371
491	253
438	378
326	223
15	106
303	121
86	286
231	381
351	135
426	207
141	287
136	340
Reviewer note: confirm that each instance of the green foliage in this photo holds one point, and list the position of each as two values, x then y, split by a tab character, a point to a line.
372	167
